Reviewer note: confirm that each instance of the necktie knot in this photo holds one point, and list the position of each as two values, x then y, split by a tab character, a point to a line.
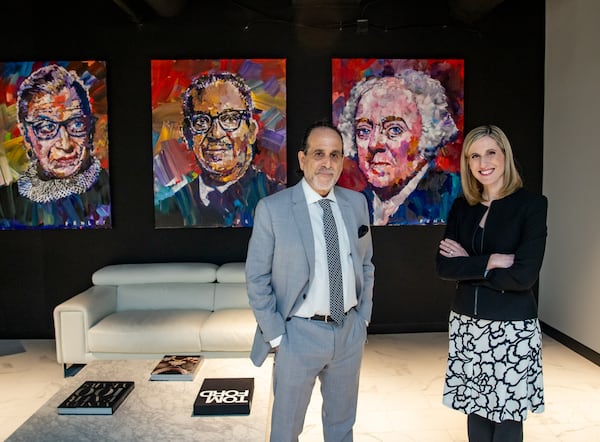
325	204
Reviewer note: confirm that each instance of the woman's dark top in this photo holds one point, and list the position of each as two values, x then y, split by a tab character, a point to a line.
516	224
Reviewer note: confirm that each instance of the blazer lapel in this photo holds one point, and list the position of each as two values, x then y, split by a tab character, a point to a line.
352	230
302	220
349	219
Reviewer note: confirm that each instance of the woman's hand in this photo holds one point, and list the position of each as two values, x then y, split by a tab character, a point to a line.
500	261
451	249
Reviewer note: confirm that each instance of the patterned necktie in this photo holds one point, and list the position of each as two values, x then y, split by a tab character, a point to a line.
336	291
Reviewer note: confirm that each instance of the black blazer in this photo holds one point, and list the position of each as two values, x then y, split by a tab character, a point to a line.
515	224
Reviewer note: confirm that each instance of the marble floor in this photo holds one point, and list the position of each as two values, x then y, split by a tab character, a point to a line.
400	392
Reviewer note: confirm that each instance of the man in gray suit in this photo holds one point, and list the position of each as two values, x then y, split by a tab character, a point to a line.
288	288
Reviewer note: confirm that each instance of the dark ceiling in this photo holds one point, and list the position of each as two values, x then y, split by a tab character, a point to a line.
335	10
383	13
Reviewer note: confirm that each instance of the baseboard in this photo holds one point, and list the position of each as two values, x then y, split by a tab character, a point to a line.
571	343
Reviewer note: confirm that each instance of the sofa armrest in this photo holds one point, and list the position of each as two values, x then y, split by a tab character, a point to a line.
74	317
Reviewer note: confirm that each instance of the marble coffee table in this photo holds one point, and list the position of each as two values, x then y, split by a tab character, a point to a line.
155	410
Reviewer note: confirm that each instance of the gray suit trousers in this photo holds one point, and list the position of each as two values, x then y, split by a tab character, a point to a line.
311	349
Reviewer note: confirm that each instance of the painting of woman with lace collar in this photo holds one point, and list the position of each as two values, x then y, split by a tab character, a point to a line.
402	123
54	157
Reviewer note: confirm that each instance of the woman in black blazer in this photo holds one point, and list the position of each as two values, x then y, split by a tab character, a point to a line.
493	248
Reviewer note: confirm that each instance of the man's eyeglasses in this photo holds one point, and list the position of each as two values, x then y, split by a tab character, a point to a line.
229	120
47	129
319	155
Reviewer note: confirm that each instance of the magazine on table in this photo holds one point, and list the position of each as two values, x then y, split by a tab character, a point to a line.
176	368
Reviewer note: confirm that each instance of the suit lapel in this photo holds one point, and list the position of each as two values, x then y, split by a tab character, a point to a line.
352	230
302	220
349	219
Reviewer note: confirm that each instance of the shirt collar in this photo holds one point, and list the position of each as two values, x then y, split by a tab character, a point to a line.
312	196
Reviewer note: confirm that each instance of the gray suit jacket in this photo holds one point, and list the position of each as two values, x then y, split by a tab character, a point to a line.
281	259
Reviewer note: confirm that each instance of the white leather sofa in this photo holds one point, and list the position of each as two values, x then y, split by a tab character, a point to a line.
149	310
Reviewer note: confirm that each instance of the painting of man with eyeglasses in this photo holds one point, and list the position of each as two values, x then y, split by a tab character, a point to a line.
401	121
61	183
232	127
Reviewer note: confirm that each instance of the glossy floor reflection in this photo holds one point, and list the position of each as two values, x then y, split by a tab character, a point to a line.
400	393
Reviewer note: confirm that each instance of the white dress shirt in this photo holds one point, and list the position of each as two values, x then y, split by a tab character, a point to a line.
317	297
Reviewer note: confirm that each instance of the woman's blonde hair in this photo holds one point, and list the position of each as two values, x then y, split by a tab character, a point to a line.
472	189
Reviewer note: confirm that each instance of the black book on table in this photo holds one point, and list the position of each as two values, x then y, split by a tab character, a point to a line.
224	396
96	397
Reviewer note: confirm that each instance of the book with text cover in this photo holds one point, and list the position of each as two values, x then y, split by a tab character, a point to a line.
220	396
176	368
96	397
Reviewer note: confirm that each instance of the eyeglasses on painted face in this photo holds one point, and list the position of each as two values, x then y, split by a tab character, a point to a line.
229	120
47	129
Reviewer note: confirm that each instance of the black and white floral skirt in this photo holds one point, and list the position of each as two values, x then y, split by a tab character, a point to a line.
494	368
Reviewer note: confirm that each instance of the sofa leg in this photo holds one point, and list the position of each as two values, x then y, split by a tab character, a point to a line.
71	369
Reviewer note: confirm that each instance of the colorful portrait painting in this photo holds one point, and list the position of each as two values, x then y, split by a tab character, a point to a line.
219	139
402	122
54	146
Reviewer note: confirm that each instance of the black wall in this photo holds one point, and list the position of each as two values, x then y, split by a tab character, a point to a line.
504	85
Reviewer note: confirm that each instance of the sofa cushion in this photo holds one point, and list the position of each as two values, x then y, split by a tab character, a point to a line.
155	273
159	296
232	272
228	330
148	331
230	295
